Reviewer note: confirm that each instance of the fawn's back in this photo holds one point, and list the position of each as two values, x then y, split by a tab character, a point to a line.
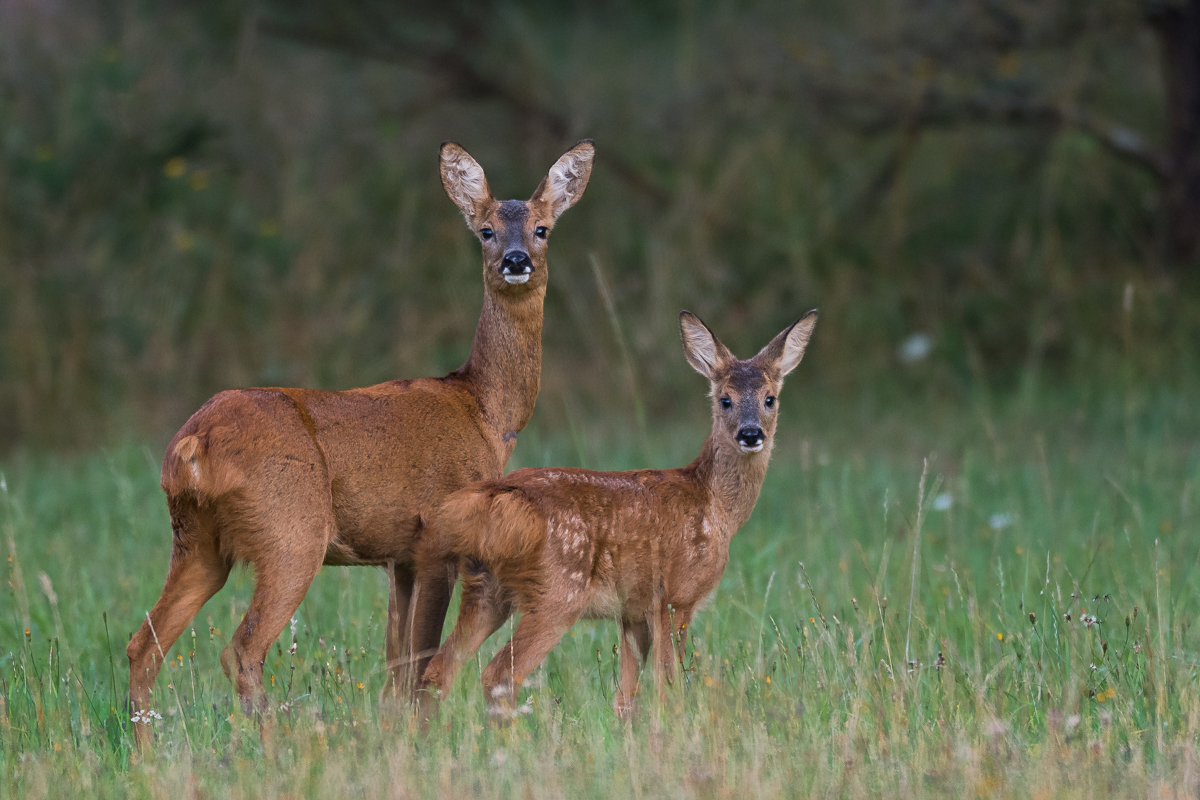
598	541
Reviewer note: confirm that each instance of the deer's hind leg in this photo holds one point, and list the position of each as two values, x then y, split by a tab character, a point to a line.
197	572
287	547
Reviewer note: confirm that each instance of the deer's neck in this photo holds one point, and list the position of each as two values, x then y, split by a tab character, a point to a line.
734	480
505	365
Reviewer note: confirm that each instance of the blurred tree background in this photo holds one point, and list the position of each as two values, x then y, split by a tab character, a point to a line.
200	196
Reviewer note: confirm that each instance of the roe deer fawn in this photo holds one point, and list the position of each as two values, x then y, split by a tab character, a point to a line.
290	479
562	544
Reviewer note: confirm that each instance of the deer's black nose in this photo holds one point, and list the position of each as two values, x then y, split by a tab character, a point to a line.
516	262
750	436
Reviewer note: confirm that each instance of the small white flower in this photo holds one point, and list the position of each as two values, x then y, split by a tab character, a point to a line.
942	502
999	522
915	348
292	649
293	627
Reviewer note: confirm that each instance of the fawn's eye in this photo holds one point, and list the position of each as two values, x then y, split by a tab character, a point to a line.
726	402
770	401
486	233
541	232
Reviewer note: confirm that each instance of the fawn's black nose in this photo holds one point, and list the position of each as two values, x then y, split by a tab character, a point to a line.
516	262
750	436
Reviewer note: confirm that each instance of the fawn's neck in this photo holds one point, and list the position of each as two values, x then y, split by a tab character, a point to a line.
734	480
505	365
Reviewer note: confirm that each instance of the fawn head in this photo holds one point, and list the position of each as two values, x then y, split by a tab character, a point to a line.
514	232
745	394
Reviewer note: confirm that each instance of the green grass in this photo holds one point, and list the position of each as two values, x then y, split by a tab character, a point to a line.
819	666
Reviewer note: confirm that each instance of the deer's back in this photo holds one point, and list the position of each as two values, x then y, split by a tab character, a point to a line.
383	455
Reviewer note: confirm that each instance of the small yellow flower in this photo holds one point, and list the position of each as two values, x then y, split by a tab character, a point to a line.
1110	692
708	680
1000	637
359	684
339	699
768	679
175	167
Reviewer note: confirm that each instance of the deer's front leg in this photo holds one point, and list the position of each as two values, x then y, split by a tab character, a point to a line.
400	671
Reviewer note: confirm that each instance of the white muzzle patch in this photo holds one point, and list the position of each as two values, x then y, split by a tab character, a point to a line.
522	278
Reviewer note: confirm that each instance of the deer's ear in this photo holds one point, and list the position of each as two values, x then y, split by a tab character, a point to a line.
786	349
704	351
463	180
564	183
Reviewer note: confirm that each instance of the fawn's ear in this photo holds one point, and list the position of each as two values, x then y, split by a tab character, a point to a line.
463	180
564	183
704	351
786	349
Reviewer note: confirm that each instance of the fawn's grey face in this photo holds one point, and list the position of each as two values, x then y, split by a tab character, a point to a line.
513	233
745	393
744	400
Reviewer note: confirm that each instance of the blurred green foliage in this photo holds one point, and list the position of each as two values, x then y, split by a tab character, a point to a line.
198	198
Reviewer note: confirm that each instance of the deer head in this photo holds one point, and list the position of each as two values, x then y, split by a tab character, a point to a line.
745	394
514	232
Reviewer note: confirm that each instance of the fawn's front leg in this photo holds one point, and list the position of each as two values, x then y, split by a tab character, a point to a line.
635	646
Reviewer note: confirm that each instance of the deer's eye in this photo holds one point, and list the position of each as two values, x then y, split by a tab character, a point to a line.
486	233
726	402
770	401
541	232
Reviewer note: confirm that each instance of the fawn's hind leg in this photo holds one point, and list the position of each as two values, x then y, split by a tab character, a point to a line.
482	610
536	634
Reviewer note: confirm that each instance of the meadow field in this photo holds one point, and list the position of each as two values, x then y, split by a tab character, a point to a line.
972	568
1016	623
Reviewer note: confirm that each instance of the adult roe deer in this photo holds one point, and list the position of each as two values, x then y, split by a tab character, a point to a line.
290	479
563	544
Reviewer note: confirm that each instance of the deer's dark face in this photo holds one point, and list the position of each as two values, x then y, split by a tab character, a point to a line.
745	399
513	233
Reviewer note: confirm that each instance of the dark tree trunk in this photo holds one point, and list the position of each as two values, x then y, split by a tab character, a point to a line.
1177	25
